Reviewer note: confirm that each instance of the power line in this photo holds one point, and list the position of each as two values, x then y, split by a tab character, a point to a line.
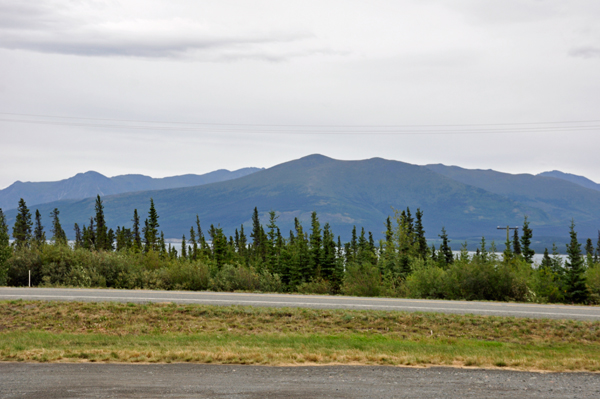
490	128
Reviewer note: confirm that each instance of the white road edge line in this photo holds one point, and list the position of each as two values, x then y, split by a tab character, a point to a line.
151	299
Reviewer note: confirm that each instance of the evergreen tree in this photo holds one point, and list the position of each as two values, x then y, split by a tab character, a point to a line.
38	232
508	252
110	240
589	247
22	226
183	248
219	244
589	252
576	289
557	262
299	268
89	236
194	244
353	245
258	238
78	237
201	240
273	251
445	256
135	230
420	240
516	243
389	233
163	246
482	254
597	257
5	250
101	229
526	242
464	252
546	260
151	232
314	252
243	247
58	234
328	254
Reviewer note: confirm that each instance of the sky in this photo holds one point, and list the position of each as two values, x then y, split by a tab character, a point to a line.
165	88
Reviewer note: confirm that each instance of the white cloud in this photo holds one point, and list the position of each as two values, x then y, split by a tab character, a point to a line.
86	29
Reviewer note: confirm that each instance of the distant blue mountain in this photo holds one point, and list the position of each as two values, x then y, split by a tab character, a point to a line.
90	184
468	203
580	180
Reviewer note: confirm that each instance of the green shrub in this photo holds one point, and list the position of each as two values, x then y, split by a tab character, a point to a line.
315	286
362	279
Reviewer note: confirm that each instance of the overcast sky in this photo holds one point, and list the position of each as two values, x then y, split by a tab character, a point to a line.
510	85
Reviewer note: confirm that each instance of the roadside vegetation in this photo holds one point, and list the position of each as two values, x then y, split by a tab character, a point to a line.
403	264
113	332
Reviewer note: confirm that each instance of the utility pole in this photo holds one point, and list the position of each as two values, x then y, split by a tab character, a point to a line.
507	231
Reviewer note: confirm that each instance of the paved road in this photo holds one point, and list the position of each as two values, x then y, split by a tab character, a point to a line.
307	301
49	381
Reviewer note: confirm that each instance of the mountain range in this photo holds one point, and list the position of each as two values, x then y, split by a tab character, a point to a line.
468	203
90	184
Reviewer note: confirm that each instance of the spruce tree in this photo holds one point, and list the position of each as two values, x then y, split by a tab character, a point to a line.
194	244
152	226
258	238
526	237
163	246
315	248
110	240
101	229
135	230
183	248
516	243
22	226
58	234
272	249
589	252
597	257
38	232
546	260
5	250
328	254
420	240
353	245
78	236
243	247
576	289
445	256
508	251
389	233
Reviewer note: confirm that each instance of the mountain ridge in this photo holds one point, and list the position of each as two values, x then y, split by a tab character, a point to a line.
91	183
362	193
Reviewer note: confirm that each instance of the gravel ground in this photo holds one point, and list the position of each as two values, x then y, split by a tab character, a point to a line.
86	380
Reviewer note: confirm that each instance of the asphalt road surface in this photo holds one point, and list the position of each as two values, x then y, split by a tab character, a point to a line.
307	301
85	380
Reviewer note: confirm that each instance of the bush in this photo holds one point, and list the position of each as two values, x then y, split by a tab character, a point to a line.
232	278
315	286
362	279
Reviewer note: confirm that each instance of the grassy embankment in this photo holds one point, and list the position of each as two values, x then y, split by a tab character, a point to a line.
112	332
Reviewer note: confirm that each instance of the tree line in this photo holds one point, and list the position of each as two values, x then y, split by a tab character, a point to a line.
311	260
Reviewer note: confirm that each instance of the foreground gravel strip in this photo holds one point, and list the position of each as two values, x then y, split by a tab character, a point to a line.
85	380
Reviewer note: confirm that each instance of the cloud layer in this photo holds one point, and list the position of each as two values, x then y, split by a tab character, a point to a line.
86	29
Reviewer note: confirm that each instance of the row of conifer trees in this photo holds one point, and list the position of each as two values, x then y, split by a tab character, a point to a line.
304	257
